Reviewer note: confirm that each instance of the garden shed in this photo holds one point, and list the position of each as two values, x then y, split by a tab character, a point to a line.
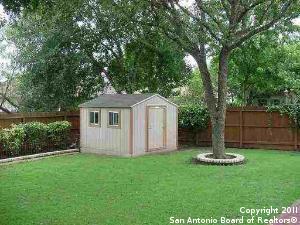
128	124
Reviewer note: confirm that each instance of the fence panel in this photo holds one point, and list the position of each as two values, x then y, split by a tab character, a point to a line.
254	128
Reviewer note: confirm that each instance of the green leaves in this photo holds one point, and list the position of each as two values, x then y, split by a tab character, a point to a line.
193	116
263	67
66	49
13	138
35	135
58	131
157	66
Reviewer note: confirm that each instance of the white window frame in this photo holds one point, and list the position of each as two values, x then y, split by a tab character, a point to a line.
93	124
119	119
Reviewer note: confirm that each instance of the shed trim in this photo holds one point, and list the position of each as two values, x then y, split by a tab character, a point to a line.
172	103
146	99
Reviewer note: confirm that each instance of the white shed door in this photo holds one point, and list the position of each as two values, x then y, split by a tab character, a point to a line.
156	127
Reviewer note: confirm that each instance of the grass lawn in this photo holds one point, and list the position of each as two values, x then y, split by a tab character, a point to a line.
88	189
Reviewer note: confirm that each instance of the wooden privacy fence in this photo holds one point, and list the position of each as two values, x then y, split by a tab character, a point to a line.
6	120
250	128
245	128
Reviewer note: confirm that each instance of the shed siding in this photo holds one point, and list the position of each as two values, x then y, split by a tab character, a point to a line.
139	125
103	139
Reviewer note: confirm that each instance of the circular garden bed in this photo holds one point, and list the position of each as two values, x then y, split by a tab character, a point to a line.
231	159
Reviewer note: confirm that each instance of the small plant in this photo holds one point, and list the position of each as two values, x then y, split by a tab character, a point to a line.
58	132
12	138
193	116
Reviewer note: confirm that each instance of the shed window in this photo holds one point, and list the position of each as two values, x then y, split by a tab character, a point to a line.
113	118
94	117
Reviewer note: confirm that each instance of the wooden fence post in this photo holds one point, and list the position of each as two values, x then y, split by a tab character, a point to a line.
65	116
241	127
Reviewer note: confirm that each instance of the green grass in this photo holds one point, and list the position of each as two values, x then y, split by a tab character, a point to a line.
88	189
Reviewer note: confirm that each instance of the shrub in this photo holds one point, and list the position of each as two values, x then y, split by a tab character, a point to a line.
12	138
36	134
58	132
193	116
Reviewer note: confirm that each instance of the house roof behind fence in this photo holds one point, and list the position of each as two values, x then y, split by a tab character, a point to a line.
116	100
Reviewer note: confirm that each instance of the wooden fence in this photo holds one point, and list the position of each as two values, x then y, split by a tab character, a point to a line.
6	120
250	128
245	128
45	117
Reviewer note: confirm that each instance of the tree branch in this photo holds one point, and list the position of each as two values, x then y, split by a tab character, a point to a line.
254	31
201	22
200	6
243	13
226	9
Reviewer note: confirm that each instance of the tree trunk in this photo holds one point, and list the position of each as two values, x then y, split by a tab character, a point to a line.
216	105
218	140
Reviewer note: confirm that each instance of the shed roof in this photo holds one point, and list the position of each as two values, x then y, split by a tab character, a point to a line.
116	100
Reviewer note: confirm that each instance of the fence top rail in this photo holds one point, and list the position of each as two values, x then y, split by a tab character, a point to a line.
247	109
36	114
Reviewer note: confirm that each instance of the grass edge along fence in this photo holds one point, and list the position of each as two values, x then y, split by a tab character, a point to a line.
48	132
249	127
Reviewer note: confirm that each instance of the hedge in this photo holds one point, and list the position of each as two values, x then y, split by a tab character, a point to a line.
36	135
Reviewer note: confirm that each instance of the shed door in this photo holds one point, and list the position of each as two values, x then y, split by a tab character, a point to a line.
156	127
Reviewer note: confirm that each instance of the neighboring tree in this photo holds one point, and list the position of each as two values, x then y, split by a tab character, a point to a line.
264	66
57	74
193	91
66	49
211	28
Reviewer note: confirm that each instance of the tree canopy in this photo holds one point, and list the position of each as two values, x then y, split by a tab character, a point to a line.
265	66
69	50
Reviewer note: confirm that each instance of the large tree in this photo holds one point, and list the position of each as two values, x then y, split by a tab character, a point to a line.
211	28
68	47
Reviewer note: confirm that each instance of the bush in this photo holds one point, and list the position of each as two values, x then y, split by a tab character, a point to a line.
12	139
36	134
58	132
193	116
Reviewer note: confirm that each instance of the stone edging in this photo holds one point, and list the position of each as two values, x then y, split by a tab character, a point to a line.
202	158
39	155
